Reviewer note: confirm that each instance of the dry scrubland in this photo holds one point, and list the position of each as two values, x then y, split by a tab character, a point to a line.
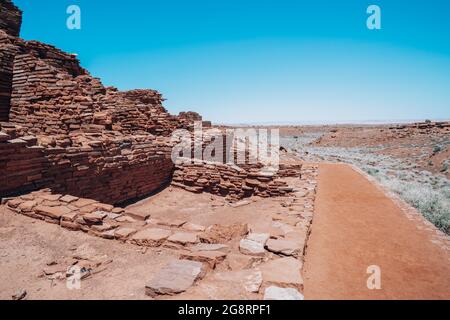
411	162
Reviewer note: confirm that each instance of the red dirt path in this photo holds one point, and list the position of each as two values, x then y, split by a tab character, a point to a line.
355	225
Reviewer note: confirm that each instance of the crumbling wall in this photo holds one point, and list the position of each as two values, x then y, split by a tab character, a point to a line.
109	169
7	53
52	94
10	18
232	182
10	22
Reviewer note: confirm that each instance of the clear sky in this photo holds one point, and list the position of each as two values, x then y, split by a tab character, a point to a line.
263	60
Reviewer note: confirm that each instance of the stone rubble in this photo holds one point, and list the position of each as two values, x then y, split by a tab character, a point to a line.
251	248
276	293
176	277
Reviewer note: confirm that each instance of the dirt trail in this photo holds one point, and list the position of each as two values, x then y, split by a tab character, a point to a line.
356	226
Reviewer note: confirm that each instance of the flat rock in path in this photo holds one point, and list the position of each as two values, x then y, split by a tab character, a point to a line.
175	223
211	258
125	219
282	228
174	278
283	272
251	248
299	235
184	238
277	293
124	233
81	202
52	212
68	199
290	220
285	247
250	280
210	247
94	217
193	227
258	237
152	237
238	261
140	216
222	234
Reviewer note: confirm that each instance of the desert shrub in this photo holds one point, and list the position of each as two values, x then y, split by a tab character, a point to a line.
433	204
428	193
444	167
437	149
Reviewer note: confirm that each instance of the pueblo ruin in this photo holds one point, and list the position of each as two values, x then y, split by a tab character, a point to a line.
74	153
94	205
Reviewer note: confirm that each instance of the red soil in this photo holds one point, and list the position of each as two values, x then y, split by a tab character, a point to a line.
356	226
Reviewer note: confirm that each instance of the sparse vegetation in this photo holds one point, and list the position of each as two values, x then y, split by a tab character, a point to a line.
428	193
444	166
437	149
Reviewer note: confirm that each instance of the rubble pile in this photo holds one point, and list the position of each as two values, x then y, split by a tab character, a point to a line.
233	182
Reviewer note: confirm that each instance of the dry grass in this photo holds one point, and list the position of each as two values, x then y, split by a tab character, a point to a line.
428	193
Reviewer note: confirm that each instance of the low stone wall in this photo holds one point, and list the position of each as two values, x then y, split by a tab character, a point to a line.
233	182
52	94
7	53
114	223
10	18
111	169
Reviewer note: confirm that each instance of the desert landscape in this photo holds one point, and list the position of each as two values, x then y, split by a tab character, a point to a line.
94	207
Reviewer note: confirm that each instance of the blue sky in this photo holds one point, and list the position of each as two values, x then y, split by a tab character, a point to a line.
253	61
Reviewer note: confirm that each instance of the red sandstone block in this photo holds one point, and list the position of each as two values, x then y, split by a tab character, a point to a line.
52	212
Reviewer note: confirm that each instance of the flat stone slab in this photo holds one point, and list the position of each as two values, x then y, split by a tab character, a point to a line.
277	293
211	258
251	248
184	238
193	227
174	278
283	272
285	247
123	233
52	212
175	223
250	280
27	206
50	197
259	237
290	220
82	202
152	237
68	199
140	216
238	261
282	227
210	247
94	217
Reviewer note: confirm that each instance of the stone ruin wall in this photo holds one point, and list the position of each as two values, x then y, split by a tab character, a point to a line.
235	182
10	22
108	170
53	95
10	18
60	128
